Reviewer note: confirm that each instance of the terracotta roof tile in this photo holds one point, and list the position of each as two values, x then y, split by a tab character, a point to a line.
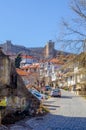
56	61
21	72
30	66
27	56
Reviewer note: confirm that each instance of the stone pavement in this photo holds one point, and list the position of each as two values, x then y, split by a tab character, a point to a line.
66	113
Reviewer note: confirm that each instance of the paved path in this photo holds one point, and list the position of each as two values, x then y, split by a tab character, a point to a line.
66	113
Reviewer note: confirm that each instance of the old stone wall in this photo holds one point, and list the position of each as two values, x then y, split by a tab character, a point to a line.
13	88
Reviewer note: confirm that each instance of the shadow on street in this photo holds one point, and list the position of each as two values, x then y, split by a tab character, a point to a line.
66	123
50	105
68	97
58	122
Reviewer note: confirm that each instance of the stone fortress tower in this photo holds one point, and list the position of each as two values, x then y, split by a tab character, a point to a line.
49	50
7	46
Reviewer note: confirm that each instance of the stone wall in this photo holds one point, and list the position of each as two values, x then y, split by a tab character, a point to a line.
13	88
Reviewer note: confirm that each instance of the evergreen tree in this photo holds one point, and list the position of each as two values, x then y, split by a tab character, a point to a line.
18	60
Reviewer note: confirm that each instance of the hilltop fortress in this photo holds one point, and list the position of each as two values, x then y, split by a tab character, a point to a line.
48	51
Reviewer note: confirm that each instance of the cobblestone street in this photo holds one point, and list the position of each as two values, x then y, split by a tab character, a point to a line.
43	65
66	113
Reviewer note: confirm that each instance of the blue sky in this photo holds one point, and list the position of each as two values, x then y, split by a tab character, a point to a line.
32	23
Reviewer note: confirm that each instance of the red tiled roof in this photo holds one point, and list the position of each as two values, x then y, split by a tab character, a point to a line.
27	56
56	61
21	72
30	66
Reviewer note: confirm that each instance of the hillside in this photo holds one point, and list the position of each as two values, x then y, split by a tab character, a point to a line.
10	49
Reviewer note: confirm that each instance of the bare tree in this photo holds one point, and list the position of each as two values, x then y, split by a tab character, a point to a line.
74	34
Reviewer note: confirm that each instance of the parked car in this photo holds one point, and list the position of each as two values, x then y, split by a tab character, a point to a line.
56	93
48	88
39	95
